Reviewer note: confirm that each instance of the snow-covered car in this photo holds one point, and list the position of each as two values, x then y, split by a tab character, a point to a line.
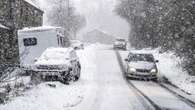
57	64
141	66
120	44
76	44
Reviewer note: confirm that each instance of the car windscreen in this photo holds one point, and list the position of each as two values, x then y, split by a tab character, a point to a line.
141	57
121	40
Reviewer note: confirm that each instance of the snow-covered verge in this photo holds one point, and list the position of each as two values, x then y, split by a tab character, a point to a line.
46	97
170	68
55	95
13	84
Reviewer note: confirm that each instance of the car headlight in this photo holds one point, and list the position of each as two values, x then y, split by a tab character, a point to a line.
153	71
132	69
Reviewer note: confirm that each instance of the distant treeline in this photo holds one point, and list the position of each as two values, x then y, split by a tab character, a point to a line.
169	24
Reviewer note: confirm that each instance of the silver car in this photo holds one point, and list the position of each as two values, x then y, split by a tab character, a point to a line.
141	66
120	44
76	44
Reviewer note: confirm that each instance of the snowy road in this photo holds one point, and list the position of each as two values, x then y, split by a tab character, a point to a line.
106	88
160	96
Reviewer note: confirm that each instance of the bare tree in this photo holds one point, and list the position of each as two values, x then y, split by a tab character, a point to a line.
64	15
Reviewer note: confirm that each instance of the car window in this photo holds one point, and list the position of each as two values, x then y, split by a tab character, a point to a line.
141	57
121	40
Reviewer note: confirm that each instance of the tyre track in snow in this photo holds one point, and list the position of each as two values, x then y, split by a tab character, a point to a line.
135	86
145	100
182	98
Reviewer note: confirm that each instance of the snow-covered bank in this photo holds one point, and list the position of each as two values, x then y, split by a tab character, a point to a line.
45	97
169	67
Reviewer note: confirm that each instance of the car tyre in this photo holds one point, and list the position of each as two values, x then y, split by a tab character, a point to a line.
78	75
155	79
65	77
124	48
78	72
36	78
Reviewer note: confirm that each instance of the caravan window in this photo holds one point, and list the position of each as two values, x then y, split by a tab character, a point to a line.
30	41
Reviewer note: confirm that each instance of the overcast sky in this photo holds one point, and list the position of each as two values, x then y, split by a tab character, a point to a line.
100	15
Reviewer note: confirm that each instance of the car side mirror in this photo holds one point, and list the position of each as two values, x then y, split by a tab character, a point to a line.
157	61
126	59
75	48
35	60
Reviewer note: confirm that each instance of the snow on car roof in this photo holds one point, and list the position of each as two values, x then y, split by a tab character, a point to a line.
58	49
75	41
54	55
41	28
139	53
57	52
144	51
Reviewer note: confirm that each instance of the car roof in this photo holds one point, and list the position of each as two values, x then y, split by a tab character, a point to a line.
58	50
55	56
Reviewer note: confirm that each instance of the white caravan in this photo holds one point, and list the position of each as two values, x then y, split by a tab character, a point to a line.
33	41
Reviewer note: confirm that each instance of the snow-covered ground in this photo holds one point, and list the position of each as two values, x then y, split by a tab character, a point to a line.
45	97
101	87
169	67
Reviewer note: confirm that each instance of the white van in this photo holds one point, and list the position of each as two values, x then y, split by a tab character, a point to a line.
33	41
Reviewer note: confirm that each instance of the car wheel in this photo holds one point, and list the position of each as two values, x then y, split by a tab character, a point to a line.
27	72
36	78
78	74
114	48
130	78
64	77
67	77
70	75
155	79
